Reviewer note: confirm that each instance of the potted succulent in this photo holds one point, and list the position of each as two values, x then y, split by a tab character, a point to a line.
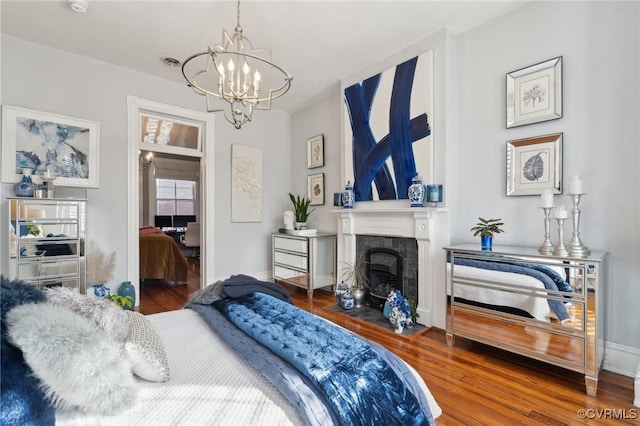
301	210
356	273
487	228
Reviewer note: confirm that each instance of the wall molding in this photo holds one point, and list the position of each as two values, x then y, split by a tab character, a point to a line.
620	359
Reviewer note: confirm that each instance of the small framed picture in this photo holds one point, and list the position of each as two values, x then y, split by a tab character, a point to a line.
534	94
534	164
315	189
315	152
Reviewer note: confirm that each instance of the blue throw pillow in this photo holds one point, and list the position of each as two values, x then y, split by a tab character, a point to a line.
22	401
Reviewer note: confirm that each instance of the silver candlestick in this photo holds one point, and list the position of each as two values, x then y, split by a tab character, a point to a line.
560	249
576	248
546	247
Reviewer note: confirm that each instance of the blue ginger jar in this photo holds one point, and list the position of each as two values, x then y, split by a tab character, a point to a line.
341	290
347	302
348	196
416	192
25	187
127	289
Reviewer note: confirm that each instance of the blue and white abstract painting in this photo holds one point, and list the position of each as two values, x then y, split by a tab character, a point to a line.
58	148
388	126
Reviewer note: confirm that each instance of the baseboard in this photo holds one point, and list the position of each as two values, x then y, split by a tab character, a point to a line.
621	359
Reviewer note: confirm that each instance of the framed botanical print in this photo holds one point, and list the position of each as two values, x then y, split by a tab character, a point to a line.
534	164
534	93
315	189
315	152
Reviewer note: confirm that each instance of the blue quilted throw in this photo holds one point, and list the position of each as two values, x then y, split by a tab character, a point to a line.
358	383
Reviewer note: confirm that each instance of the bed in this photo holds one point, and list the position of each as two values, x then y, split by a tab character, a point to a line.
161	258
214	381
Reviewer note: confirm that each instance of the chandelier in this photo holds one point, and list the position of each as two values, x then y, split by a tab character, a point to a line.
237	73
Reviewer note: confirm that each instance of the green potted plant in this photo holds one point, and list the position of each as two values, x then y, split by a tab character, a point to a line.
125	302
301	210
356	273
487	228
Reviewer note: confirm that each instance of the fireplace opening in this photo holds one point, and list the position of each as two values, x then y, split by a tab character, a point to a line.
390	262
384	273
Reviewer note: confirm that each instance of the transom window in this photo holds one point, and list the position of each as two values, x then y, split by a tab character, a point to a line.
175	197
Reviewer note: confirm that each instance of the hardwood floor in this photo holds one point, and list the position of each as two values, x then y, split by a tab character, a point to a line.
473	383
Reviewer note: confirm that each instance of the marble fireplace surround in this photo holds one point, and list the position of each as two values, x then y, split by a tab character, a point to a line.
429	226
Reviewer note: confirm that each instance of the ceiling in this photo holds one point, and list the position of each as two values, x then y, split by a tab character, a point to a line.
318	42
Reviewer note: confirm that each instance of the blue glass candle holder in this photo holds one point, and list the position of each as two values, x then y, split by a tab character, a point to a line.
434	195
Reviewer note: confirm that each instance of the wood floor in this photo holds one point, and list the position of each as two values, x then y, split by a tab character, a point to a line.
474	384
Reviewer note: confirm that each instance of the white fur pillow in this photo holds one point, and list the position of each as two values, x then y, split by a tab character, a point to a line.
78	366
107	315
147	354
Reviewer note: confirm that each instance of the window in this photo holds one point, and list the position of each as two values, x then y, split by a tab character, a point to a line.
175	197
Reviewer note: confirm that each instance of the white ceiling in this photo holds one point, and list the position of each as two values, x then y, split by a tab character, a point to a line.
318	42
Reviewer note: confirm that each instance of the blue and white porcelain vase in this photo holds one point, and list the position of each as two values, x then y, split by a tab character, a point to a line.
486	242
347	301
127	289
100	290
25	187
348	196
341	290
416	192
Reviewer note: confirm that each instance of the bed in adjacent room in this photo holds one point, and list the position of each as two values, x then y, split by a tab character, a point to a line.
247	359
161	258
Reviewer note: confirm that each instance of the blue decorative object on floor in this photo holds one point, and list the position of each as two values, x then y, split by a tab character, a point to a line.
127	289
101	290
347	302
341	290
400	313
416	192
348	196
25	187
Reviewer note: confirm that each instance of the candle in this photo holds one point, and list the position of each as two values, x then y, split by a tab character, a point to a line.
560	212
547	198
575	185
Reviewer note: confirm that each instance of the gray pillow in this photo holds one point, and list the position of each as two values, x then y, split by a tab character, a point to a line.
147	355
105	314
208	295
78	367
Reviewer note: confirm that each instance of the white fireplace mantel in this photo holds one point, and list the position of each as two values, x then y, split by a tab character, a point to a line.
428	225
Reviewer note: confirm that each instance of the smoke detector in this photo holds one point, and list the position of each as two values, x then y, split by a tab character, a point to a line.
80	6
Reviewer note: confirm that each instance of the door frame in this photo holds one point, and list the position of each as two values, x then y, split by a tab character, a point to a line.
207	180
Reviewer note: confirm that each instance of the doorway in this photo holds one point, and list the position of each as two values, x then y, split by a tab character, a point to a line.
139	110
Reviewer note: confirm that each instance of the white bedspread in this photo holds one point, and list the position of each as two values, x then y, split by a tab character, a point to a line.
209	385
536	306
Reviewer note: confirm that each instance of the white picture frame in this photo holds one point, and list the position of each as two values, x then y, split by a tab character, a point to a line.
534	164
315	152
534	93
68	147
315	189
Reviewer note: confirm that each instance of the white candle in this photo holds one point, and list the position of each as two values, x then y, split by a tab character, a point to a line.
547	198
560	213
575	185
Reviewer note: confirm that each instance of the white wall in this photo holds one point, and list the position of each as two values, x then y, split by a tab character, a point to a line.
600	45
45	79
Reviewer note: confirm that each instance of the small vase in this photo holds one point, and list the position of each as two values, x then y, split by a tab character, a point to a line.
25	187
348	196
301	225
341	290
100	290
127	289
486	242
416	192
347	301
359	295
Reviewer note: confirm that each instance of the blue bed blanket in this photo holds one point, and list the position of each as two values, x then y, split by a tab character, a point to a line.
550	278
350	373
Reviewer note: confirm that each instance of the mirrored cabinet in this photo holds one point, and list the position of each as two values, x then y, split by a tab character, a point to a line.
46	241
550	308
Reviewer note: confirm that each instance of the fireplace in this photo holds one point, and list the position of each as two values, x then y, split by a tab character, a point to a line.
427	229
391	263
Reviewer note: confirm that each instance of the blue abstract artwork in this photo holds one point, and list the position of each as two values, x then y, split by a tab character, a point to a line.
388	129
